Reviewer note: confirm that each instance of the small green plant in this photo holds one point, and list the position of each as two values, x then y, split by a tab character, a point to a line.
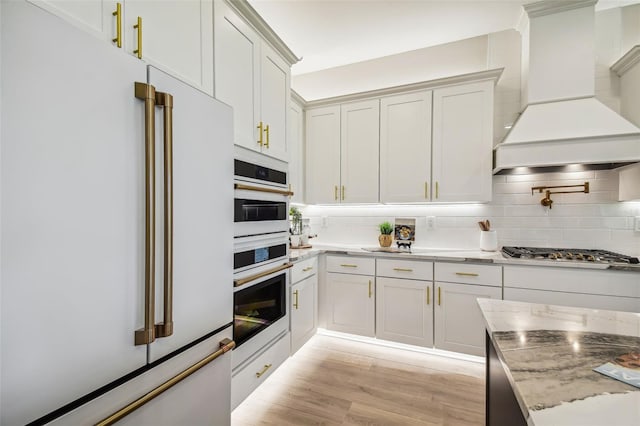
386	228
296	220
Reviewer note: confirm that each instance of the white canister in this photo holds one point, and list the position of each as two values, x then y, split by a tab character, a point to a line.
488	240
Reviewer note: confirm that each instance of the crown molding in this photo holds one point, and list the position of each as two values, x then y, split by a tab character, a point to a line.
628	61
549	7
249	13
493	75
295	96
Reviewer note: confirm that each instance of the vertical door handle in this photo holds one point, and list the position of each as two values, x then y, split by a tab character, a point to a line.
335	192
437	190
118	15
165	328
428	295
342	192
439	296
138	27
295	295
266	130
370	289
426	190
260	130
147	93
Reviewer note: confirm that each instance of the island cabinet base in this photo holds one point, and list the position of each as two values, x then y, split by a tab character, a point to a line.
502	408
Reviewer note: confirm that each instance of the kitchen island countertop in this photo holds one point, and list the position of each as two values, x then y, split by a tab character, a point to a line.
548	354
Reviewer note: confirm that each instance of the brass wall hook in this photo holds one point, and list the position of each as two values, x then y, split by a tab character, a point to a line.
548	202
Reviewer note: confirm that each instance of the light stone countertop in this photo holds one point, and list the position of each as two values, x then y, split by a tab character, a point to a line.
549	353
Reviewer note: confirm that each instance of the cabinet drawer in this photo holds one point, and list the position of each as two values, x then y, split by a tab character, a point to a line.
351	265
591	301
469	274
246	380
304	269
412	269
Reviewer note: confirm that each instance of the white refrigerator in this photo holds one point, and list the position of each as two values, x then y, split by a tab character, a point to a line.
116	233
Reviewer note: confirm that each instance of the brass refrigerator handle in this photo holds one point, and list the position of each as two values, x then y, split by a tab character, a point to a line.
138	27
147	93
260	189
225	346
118	14
165	329
243	281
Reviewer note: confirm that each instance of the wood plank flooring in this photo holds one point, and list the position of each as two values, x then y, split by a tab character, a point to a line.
333	381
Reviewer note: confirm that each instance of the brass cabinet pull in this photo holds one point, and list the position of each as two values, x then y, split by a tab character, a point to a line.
342	192
225	346
467	274
348	265
335	192
437	189
295	295
307	269
165	100
118	14
403	269
260	189
426	190
439	296
428	295
264	370
138	26
147	93
260	130
243	281
369	289
266	130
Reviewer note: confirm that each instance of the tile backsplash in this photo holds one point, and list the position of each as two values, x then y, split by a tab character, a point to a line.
594	220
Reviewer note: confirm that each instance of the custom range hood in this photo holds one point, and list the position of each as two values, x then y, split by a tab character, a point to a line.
564	127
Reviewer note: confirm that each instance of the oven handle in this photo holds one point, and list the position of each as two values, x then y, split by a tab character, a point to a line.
260	189
243	281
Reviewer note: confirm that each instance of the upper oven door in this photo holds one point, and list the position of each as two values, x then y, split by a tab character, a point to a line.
260	210
260	250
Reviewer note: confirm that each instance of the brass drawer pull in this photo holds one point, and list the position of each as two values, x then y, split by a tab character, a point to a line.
264	370
307	269
348	265
467	274
403	269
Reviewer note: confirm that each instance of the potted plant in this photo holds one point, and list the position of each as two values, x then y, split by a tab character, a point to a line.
296	226
386	231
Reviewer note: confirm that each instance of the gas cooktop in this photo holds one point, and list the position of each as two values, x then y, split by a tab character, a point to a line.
560	254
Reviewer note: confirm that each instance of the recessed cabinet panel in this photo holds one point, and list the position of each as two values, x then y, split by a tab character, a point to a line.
296	152
405	148
351	304
323	155
94	17
275	103
303	311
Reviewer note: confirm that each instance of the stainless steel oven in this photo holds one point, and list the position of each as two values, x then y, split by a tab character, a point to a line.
259	250
259	209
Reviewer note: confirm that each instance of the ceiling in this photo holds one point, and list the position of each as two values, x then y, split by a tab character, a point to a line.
330	33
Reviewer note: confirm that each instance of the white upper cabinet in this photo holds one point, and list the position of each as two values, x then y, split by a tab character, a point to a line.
462	142
177	37
405	148
359	152
296	152
255	80
322	155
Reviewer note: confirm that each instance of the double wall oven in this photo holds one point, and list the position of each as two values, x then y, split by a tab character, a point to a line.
260	258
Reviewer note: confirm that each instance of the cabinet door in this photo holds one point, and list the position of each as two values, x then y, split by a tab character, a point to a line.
95	17
351	304
274	98
303	311
359	152
237	58
404	311
459	325
405	148
177	38
296	152
462	142
323	155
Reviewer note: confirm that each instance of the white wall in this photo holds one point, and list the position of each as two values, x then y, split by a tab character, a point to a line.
593	220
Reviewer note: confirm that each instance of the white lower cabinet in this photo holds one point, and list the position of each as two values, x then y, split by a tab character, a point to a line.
303	311
351	304
459	325
404	311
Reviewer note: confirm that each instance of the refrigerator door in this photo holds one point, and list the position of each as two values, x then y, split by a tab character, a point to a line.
202	298
72	213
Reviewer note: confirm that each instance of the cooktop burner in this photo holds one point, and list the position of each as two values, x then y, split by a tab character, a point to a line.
585	255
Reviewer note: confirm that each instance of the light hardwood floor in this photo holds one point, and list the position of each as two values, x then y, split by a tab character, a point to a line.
333	381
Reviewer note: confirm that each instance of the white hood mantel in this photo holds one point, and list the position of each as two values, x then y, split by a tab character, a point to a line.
564	124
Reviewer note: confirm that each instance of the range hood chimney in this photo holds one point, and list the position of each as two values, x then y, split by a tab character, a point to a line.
563	123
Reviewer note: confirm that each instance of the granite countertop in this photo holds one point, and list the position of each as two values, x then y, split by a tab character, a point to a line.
549	353
448	255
